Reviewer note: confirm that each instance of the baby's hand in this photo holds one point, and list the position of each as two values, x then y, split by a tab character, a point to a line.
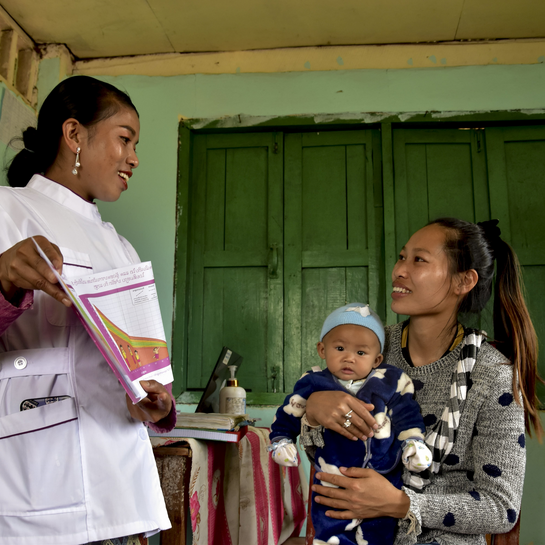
416	455
284	453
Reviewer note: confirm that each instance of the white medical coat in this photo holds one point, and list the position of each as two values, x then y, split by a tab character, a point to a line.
81	469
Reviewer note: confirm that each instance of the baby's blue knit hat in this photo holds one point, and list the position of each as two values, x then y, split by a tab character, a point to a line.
357	314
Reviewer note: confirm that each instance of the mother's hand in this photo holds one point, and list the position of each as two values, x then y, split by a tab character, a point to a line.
22	268
363	494
329	409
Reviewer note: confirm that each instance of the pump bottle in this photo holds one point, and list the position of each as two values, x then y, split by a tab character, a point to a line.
232	396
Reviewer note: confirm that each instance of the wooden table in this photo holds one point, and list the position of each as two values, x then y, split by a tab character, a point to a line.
174	466
232	492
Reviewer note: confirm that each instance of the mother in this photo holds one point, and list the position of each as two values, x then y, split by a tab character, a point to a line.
476	400
79	469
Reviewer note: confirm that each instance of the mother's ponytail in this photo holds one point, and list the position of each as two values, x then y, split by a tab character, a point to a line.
515	334
478	246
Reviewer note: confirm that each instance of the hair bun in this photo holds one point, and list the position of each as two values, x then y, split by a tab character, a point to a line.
30	138
491	232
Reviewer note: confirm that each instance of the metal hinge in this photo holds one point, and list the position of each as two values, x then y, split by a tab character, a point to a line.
274	375
478	138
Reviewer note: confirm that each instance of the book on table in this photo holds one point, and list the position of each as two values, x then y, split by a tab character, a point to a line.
211	421
229	428
178	434
206	422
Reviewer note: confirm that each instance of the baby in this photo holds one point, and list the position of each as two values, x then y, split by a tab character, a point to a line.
351	343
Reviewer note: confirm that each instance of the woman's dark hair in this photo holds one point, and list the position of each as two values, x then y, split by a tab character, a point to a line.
478	246
86	99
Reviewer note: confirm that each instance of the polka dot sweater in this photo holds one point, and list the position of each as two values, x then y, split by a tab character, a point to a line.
478	489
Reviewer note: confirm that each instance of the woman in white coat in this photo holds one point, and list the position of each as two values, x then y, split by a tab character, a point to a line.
81	469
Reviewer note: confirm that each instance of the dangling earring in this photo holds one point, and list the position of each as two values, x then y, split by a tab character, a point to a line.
78	164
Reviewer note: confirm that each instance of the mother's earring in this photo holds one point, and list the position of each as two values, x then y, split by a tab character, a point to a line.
78	164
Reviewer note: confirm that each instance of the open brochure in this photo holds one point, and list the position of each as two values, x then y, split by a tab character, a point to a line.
120	310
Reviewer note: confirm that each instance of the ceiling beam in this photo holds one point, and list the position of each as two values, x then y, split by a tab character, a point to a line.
307	59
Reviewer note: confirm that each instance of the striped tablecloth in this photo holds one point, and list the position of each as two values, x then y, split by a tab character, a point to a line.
239	496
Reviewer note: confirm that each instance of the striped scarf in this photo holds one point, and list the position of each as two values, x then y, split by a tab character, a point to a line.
440	439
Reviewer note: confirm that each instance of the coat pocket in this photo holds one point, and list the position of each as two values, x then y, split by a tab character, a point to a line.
39	447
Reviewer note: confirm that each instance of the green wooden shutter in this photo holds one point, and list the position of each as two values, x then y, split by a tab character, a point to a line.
236	256
331	244
516	167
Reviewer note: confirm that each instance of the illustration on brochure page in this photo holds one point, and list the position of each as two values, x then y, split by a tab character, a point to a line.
120	311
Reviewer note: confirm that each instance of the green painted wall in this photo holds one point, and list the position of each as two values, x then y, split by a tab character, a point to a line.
146	214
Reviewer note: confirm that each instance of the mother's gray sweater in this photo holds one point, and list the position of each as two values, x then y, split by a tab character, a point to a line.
478	489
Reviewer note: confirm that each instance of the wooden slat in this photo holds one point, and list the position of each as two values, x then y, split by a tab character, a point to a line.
8	55
499	194
481	196
372	243
390	218
400	190
481	200
358	285
237	219
516	168
220	258
275	234
18	59
359	200
214	203
335	258
196	277
524	149
236	315
179	336
293	162
324	213
241	140
27	73
8	23
246	195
